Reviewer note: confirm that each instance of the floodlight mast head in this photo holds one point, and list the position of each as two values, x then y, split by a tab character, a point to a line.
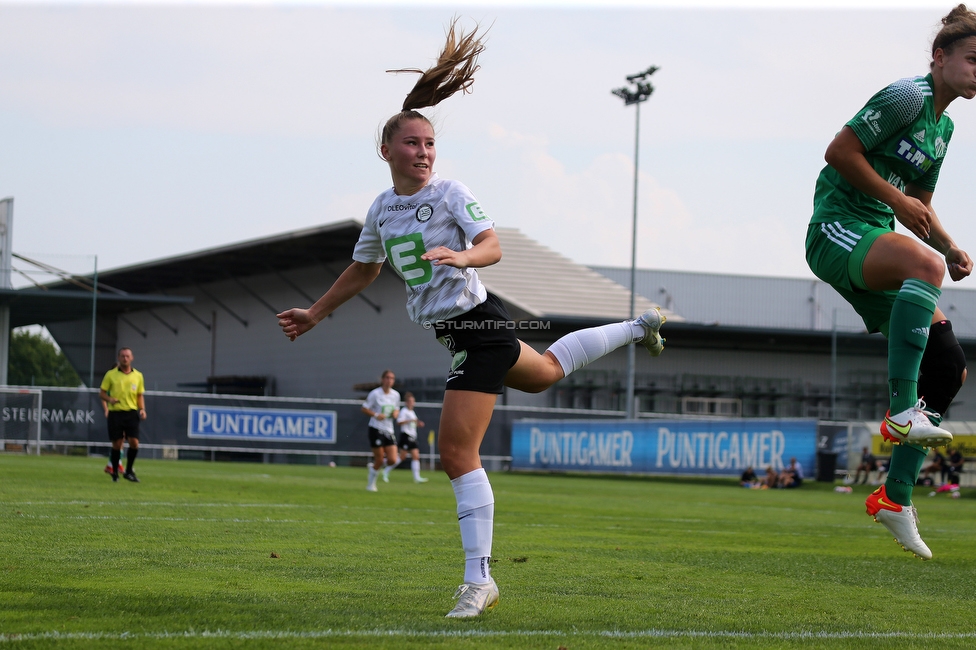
642	88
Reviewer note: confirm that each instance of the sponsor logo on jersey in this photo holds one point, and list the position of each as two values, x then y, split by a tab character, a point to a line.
871	118
425	212
475	211
457	361
401	207
405	255
447	341
919	137
396	209
896	181
913	156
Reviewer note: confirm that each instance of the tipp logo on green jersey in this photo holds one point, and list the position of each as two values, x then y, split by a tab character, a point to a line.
913	155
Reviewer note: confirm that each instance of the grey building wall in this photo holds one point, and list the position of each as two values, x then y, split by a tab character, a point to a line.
778	303
789	304
353	346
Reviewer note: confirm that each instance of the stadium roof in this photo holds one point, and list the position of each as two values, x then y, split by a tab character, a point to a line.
32	306
146	285
543	283
298	248
532	279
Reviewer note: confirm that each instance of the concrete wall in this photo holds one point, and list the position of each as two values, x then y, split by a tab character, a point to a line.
353	346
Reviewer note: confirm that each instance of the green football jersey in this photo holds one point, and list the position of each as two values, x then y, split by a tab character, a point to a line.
903	141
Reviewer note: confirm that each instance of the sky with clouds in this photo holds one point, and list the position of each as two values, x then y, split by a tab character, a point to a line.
136	131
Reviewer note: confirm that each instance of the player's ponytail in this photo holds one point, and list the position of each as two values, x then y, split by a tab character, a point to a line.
453	72
958	24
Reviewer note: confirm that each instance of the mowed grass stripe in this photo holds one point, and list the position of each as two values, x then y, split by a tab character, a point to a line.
184	559
480	634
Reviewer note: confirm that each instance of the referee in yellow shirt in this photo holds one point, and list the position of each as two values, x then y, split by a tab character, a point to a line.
123	391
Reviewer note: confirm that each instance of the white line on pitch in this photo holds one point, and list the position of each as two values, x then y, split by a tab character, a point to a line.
436	634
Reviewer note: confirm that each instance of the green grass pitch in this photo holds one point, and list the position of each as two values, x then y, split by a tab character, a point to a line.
227	555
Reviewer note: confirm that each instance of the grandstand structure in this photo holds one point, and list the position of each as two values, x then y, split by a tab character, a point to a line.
736	345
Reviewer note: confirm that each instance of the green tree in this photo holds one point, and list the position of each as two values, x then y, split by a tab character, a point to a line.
35	361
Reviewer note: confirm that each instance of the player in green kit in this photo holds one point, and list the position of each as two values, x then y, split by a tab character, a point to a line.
883	166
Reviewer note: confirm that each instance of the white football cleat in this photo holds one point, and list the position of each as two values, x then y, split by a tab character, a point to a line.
651	320
474	599
901	521
914	427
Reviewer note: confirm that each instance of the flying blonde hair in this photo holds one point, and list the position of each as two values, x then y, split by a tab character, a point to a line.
453	72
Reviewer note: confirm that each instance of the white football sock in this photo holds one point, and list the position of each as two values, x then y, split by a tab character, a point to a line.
372	476
579	348
415	467
476	515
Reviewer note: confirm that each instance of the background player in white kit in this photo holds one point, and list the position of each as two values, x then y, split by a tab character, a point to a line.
409	422
435	234
382	405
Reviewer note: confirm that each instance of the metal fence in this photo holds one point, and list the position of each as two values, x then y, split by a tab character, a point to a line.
71	420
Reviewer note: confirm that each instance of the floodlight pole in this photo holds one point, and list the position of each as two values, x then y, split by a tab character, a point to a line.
640	93
94	319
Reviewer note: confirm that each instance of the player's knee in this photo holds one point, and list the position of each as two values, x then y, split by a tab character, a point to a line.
930	268
534	386
548	374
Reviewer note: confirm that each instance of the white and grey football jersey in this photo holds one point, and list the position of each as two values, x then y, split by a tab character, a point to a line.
386	403
402	228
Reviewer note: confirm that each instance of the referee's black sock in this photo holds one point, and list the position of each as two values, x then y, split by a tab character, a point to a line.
115	456
131	457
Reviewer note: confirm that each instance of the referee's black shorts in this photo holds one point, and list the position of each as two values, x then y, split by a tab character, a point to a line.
483	347
123	424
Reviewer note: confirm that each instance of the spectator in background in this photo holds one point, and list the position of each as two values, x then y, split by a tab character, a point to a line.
792	476
772	478
382	405
122	392
749	478
954	464
868	464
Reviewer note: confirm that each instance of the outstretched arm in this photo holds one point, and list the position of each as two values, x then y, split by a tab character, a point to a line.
846	154
485	252
356	277
957	260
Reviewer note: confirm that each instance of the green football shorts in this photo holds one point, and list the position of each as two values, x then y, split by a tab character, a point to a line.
835	253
